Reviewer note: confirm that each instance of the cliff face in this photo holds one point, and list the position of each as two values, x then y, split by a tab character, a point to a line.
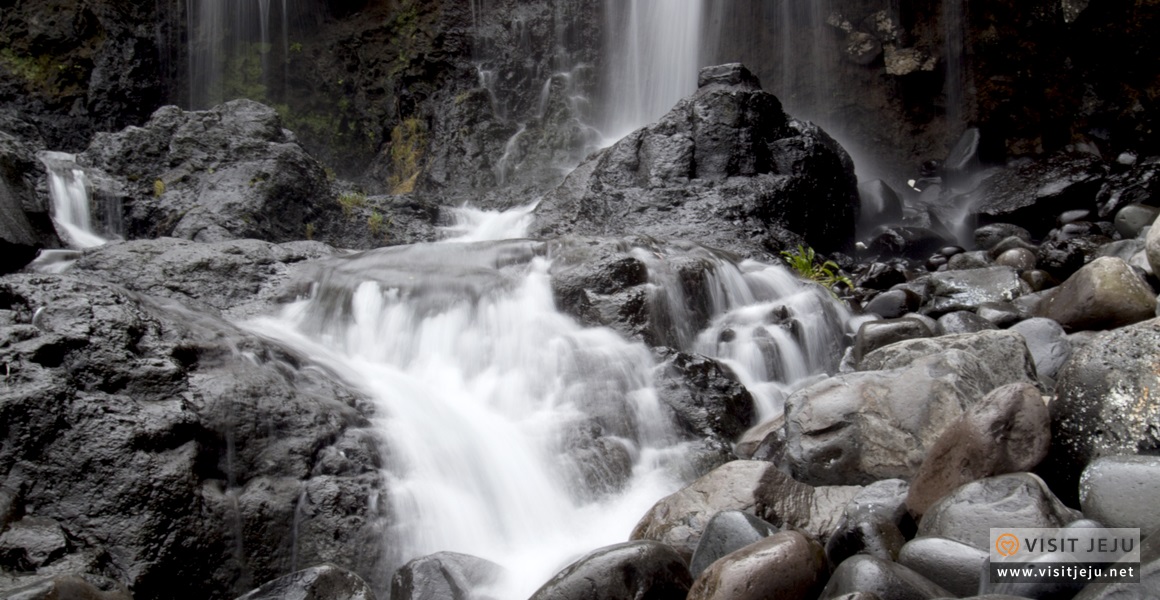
433	96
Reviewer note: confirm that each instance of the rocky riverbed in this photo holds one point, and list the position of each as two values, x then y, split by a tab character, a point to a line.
985	356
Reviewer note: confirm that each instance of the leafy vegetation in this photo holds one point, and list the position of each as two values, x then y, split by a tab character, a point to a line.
310	231
376	223
158	188
408	143
804	261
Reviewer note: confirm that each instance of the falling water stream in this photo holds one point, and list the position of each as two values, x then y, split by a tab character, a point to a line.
510	431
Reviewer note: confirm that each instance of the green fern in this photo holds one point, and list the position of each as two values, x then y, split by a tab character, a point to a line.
828	273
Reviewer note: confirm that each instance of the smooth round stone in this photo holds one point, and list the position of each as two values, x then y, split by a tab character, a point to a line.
1016	500
876	334
987	236
1047	342
881	276
449	575
873	538
727	531
977	259
1106	293
1017	258
1001	314
1134	217
1010	243
887	580
627	571
963	321
952	565
1038	280
893	304
949	251
934	262
1122	491
786	564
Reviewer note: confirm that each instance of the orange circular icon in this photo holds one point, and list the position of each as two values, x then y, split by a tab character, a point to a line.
1007	544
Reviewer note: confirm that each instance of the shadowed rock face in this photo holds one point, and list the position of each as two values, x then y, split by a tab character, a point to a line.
168	449
725	168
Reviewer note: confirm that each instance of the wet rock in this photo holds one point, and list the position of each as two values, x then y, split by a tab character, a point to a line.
860	427
1048	344
727	531
1149	575
754	438
1029	192
949	291
880	205
1062	258
1038	280
1003	353
32	543
627	571
444	575
950	564
705	397
324	581
915	243
66	587
1020	259
874	522
725	168
978	259
175	439
236	277
893	304
1008	431
25	226
1152	248
755	487
885	579
881	276
1133	218
1102	295
1012	243
1001	314
227	173
962	321
988	236
1016	500
876	334
784	565
1119	491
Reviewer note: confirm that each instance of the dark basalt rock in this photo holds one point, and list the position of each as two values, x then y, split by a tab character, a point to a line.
873	335
786	564
887	580
950	291
640	570
1104	405
171	460
325	581
225	173
705	397
953	565
962	321
725	168
988	236
1117	491
443	575
727	531
894	303
25	225
1030	193
1104	294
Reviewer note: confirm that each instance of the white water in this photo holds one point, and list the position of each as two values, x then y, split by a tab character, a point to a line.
68	190
482	386
653	51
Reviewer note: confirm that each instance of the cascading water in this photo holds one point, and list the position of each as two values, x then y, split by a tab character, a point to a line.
653	53
68	188
511	432
230	47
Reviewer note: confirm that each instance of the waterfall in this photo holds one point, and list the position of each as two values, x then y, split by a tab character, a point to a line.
512	432
653	51
68	188
230	48
954	36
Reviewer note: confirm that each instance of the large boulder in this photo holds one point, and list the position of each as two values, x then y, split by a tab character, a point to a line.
1104	405
950	291
755	487
1104	294
705	397
1008	431
1030	193
225	173
443	575
641	570
860	427
725	168
25	224
181	451
786	564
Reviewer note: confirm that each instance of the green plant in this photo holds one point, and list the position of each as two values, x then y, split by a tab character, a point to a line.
158	188
375	223
310	231
350	201
296	47
804	261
